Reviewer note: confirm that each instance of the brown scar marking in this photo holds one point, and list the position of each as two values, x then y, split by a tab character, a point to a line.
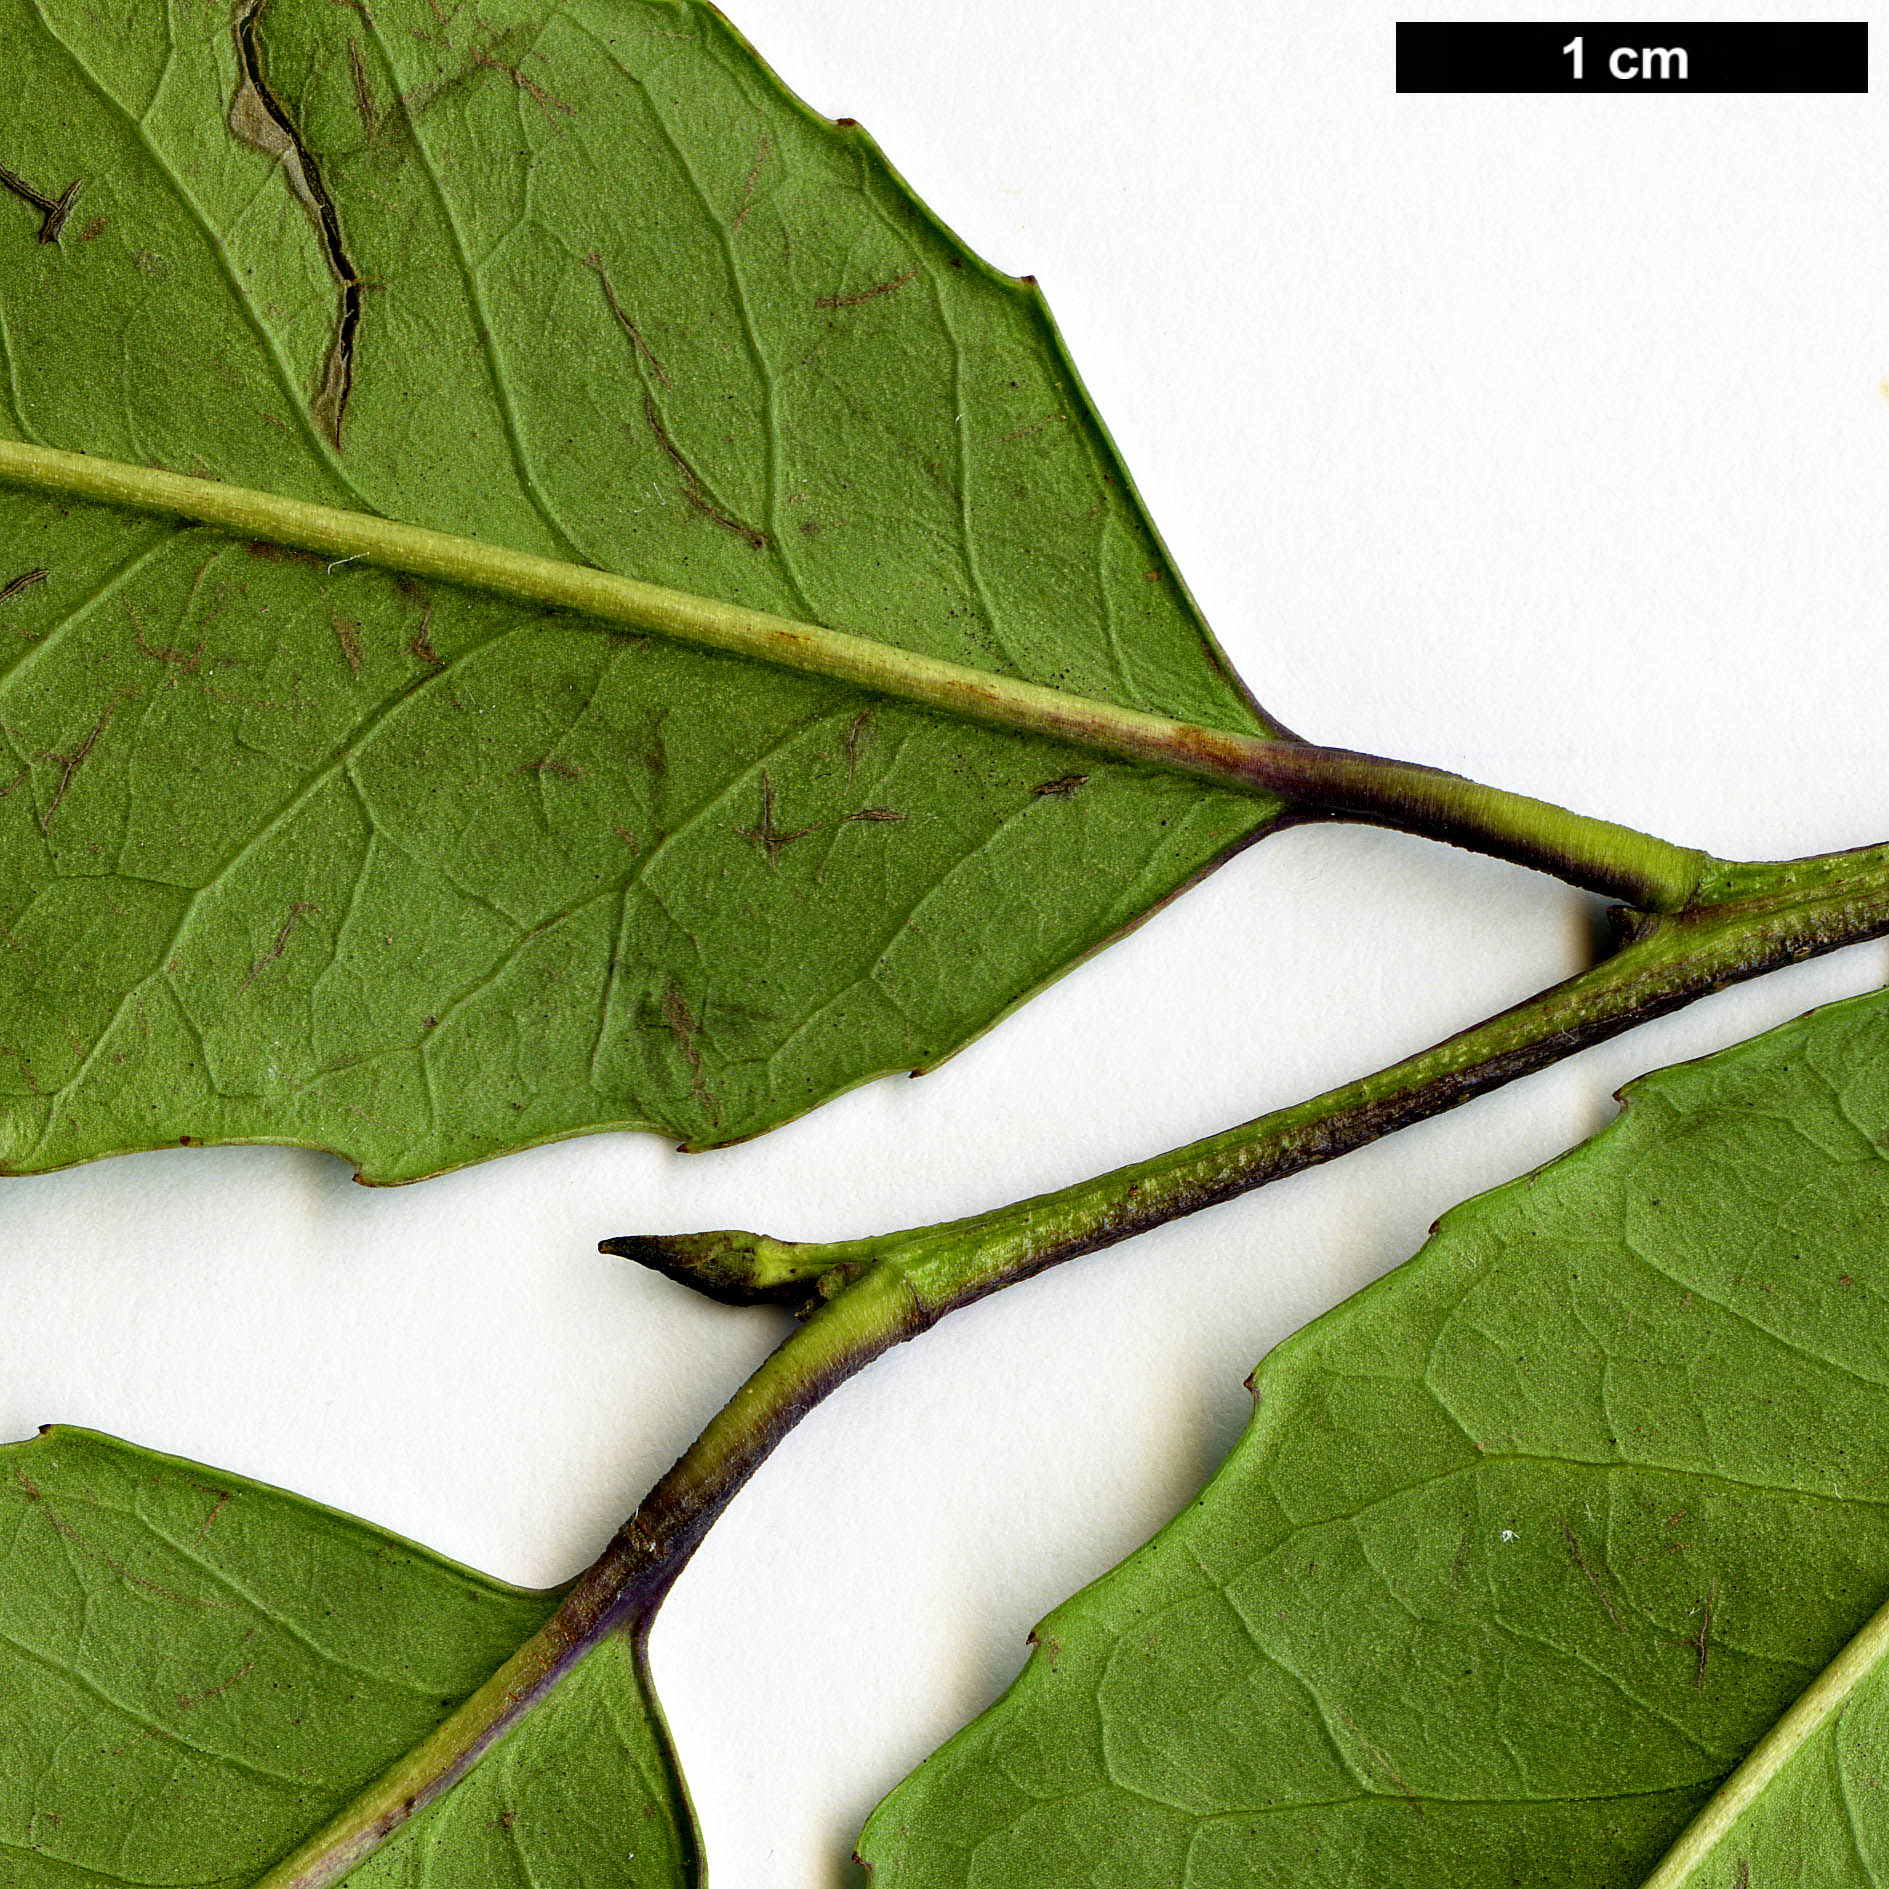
53	210
25	774
348	635
76	760
594	263
157	652
189	1701
1383	1762
95	229
767	835
257	120
862	724
363	98
1700	1642
34	1493
209	1521
1593	1579
419	645
525	83
25	581
1743	1879
754	174
550	765
1061	787
693	488
626	836
866	295
299	909
675	1010
874	813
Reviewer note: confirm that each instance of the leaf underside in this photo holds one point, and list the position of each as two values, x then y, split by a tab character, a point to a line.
1823	1821
321	855
1524	1549
196	1672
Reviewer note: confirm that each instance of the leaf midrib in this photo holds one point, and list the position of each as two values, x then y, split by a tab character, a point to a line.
1218	755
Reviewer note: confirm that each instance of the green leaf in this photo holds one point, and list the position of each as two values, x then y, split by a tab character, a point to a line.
1808	1805
1525	1549
303	852
196	1672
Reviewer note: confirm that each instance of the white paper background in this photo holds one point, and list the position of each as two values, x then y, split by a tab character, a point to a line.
1542	438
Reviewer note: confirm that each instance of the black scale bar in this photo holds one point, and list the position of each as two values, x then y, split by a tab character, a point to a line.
1632	56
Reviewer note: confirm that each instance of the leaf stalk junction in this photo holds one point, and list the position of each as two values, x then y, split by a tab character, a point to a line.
1687	925
857	1299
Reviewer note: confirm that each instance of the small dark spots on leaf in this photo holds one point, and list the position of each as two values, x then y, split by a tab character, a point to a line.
1062	787
506	1818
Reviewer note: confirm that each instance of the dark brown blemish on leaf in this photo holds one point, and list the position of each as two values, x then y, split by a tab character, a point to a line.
1699	1644
1593	1579
862	724
300	909
594	263
482	56
348	635
754	177
24	582
95	229
53	211
693	488
676	1013
551	765
268	553
866	295
259	121
189	1701
767	835
420	647
874	813
626	836
71	763
363	98
191	661
34	1493
1062	787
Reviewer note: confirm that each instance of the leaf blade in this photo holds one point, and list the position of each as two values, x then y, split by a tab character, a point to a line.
201	1671
1525	1548
1027	519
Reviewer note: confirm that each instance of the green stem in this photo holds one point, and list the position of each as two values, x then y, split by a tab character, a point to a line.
622	1589
869	1295
1321	783
1750	920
